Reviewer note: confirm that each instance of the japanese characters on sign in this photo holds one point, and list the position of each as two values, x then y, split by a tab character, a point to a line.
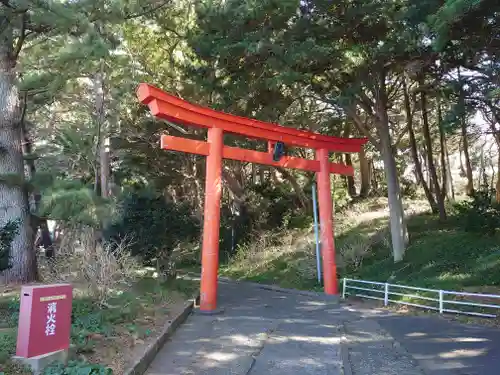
50	327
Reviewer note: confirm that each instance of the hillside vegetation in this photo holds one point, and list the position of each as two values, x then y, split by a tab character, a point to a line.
440	255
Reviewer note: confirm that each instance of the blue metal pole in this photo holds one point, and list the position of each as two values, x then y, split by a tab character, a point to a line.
316	232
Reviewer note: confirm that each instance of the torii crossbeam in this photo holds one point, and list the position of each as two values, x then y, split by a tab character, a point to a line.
172	108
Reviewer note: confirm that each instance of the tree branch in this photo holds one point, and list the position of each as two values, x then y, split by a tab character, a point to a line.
400	137
362	127
21	39
147	11
7	4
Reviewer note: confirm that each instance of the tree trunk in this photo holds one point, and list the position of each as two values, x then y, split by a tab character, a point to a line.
233	184
197	182
238	208
468	166
497	186
373	176
105	167
351	186
396	213
102	177
13	196
430	158
496	135
425	165
451	188
36	222
464	140
414	151
460	152
364	168
395	205
442	143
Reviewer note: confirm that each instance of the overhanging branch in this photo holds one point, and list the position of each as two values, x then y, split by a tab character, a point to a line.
21	39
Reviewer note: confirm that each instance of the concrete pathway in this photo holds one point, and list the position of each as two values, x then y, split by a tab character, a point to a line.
267	332
446	348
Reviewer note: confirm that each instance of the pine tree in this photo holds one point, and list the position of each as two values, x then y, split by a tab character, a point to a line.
71	31
347	55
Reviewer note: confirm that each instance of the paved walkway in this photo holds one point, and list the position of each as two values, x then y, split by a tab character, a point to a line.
446	348
264	332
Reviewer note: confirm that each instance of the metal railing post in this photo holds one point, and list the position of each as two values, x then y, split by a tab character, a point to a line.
386	294
441	302
343	287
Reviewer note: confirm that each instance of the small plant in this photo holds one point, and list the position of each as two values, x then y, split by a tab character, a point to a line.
7	345
353	252
77	368
9	367
481	214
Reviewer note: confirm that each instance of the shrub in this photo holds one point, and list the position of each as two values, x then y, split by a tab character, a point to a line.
352	252
77	368
154	225
100	266
73	203
408	187
480	214
276	200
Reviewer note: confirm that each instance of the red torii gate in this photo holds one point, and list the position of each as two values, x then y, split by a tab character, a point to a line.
172	108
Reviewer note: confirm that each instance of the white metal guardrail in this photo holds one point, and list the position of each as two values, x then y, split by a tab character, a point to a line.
444	301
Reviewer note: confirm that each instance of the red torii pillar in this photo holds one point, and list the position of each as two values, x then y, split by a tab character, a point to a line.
172	108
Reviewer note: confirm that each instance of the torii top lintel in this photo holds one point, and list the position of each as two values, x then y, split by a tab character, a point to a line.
172	108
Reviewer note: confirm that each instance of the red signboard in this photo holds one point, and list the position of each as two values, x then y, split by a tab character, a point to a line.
44	319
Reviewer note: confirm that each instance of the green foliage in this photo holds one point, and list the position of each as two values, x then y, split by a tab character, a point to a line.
267	206
278	202
452	18
11	312
7	235
408	187
73	203
9	316
7	344
340	195
84	326
481	214
154	225
441	256
77	368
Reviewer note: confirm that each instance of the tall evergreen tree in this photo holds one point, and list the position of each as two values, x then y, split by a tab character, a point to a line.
71	29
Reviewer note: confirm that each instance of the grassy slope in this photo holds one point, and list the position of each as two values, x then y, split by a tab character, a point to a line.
439	255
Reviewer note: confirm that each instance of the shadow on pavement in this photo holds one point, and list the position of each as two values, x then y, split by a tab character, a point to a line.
260	332
266	332
446	348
